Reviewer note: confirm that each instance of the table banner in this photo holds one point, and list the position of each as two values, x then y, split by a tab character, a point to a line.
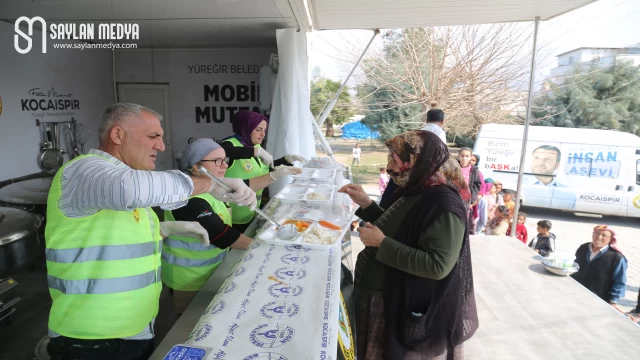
278	303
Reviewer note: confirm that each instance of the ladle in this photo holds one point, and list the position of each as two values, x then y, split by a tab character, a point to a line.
285	232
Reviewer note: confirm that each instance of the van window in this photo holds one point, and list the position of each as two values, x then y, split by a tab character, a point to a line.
638	172
592	168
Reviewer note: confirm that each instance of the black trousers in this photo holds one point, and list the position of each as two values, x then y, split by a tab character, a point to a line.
64	348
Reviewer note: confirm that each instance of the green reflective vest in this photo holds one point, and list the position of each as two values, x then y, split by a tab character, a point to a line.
103	270
186	263
245	169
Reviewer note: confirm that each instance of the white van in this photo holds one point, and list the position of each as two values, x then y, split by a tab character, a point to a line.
579	170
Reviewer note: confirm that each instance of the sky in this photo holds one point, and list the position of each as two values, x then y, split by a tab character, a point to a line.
605	23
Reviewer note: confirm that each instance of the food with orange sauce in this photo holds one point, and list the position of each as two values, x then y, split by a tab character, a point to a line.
300	225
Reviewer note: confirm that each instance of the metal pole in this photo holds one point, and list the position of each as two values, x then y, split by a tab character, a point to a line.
525	135
332	103
325	144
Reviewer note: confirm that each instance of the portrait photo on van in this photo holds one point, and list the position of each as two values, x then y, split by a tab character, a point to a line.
545	161
544	164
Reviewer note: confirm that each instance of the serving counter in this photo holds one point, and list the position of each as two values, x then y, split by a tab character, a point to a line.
273	301
527	313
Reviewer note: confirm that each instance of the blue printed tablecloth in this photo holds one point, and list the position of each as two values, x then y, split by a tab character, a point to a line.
278	303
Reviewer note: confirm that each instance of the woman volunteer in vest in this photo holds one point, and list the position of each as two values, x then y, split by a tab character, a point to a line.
250	162
186	262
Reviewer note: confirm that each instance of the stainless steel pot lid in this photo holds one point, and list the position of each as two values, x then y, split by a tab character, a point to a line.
33	191
16	224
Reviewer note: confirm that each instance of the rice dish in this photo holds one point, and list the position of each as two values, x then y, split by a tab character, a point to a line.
320	236
315	196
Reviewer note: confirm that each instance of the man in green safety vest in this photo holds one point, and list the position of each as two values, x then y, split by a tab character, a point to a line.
103	240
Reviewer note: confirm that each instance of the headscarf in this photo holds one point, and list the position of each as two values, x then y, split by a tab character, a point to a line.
425	160
486	186
613	243
244	122
197	150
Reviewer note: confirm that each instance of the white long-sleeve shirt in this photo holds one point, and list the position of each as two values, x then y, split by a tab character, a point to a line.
94	183
436	129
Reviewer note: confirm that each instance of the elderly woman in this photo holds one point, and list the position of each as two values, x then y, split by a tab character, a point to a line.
414	286
603	268
186	262
250	162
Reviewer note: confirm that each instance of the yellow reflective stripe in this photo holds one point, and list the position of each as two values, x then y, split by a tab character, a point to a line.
103	286
100	253
185	262
102	269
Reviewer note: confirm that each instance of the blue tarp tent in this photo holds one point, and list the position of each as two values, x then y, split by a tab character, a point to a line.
357	130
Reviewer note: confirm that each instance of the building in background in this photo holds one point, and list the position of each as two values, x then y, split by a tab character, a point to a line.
600	57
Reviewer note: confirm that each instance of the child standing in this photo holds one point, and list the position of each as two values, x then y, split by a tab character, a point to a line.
545	243
355	152
470	174
384	180
500	223
490	198
521	228
509	203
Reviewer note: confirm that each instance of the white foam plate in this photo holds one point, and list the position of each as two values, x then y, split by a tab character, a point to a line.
320	163
318	175
296	193
269	236
291	193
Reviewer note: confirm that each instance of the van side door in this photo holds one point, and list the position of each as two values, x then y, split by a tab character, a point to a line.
632	188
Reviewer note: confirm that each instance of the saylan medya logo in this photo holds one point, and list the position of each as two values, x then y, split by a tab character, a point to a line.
72	31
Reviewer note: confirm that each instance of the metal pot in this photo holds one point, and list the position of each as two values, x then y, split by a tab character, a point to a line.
19	239
27	193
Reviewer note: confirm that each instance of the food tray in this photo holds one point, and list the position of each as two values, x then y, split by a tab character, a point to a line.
291	193
320	163
268	235
318	175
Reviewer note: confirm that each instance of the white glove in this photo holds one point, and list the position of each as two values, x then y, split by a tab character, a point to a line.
293	157
190	229
281	171
240	193
265	156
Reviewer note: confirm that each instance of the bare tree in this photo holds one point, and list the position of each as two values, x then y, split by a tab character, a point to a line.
477	74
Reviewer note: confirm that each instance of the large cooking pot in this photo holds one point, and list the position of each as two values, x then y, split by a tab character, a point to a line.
26	193
19	239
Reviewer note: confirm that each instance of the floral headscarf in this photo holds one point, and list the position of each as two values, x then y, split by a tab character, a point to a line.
424	159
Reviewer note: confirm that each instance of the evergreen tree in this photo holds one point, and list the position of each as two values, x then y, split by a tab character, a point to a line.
593	97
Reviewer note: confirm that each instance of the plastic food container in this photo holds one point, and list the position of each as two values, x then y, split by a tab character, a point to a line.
307	239
317	175
320	163
312	195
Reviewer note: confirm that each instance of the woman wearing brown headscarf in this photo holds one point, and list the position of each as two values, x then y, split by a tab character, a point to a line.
414	285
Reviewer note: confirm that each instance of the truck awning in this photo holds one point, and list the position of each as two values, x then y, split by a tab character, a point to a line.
392	14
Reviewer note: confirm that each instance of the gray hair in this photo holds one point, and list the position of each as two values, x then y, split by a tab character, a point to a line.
115	113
